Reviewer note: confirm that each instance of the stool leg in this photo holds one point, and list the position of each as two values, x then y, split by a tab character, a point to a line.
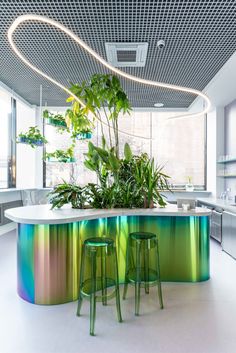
146	267
138	279
93	293
117	288
159	278
80	299
103	276
126	269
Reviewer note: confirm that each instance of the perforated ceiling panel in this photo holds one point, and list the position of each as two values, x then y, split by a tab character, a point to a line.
199	36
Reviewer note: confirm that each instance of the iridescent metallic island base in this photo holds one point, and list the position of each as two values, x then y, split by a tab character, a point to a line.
49	255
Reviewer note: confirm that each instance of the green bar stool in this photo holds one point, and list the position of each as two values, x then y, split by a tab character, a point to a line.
142	265
98	276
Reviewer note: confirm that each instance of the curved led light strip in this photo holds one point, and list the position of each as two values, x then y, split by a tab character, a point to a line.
58	25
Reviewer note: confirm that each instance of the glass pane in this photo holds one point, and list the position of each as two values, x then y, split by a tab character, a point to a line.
179	145
57	172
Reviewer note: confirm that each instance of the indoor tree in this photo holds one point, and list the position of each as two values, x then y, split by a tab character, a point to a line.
103	95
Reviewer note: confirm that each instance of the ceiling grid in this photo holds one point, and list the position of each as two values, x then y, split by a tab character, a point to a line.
199	36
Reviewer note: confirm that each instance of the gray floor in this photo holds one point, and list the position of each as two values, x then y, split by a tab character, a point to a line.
197	318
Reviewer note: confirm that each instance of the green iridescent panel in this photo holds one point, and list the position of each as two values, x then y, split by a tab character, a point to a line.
49	255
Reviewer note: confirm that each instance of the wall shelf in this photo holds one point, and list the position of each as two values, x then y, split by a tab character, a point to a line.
227	176
232	160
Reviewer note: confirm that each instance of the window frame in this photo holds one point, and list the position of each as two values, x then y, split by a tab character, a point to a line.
11	157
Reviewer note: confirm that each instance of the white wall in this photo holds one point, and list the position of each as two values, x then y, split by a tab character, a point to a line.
215	148
211	152
25	155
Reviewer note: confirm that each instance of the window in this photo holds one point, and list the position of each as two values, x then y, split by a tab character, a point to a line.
177	144
57	172
7	140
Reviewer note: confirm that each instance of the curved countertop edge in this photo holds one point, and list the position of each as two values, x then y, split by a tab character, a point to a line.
42	214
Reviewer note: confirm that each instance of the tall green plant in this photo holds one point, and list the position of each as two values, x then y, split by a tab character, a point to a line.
151	181
103	161
104	94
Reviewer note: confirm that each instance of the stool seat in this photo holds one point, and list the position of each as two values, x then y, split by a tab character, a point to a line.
142	235
99	242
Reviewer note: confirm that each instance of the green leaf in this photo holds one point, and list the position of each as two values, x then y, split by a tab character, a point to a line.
70	99
103	142
89	165
127	152
114	162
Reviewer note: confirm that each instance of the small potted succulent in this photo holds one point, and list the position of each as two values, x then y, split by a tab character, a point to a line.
33	137
189	186
62	156
57	120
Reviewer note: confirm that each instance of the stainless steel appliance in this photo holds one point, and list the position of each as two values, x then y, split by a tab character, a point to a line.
215	221
216	224
229	233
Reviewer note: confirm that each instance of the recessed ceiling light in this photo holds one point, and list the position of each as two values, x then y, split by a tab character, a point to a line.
158	105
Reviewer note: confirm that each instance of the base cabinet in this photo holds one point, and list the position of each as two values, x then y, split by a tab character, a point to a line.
229	233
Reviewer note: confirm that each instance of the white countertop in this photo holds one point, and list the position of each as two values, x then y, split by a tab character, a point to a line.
229	206
42	214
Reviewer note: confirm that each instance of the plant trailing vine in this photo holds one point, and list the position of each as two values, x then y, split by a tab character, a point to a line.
78	122
32	137
63	156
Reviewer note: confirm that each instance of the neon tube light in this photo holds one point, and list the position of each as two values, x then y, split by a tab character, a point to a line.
79	41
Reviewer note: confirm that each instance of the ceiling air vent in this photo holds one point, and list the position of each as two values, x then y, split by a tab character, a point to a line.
126	54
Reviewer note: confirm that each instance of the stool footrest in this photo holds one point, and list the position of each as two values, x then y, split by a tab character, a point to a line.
151	280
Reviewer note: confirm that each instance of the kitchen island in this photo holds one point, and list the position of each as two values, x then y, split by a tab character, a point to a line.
49	245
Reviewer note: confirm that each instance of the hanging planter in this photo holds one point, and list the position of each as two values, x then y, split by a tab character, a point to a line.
81	127
61	156
84	136
33	137
61	160
56	120
29	141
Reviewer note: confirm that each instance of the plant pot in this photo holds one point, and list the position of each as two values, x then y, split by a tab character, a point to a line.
189	187
28	141
55	122
84	136
64	160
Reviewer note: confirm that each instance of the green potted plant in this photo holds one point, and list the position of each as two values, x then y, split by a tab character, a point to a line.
57	120
150	180
81	127
61	156
189	186
32	137
66	193
132	181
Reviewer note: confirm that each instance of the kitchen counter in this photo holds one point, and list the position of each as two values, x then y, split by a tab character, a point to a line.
42	214
49	245
225	205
